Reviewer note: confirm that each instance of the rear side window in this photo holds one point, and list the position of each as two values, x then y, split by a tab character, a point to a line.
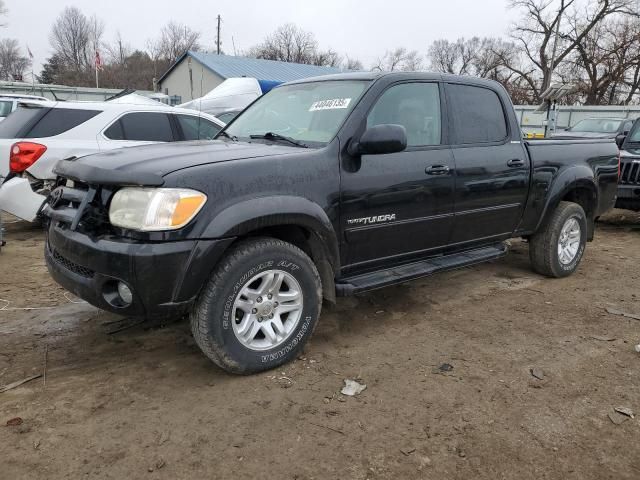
197	128
142	127
477	114
60	120
20	122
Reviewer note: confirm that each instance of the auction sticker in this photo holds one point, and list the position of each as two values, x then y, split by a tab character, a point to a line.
333	104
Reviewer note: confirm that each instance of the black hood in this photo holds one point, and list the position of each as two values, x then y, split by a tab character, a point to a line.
164	158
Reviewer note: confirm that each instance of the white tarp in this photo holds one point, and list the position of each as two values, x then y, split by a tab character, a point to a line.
232	94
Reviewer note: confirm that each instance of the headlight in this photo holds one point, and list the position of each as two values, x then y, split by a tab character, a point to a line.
154	209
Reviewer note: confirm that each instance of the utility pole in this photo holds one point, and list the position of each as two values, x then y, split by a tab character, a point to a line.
218	36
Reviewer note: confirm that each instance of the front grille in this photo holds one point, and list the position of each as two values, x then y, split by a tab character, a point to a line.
630	172
72	266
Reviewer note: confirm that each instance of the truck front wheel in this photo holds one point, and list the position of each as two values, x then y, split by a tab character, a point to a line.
556	250
259	307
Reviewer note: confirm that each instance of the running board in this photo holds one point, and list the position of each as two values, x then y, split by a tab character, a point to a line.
411	271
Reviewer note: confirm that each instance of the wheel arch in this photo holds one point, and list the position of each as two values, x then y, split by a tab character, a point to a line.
296	220
575	185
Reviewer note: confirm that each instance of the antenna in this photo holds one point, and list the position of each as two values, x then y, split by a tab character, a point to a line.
234	46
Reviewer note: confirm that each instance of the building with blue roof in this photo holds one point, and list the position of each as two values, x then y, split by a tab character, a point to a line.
196	73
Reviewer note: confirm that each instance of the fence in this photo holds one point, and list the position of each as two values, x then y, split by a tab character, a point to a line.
63	92
533	121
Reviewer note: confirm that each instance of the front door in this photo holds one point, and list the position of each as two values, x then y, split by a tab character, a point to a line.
398	206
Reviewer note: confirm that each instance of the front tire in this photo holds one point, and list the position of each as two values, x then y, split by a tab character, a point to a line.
556	250
259	307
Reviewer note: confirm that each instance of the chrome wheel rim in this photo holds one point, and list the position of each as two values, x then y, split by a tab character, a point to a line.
569	241
267	310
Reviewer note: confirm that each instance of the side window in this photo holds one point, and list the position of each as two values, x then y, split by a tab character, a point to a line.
416	106
60	120
477	114
227	116
143	126
627	126
197	128
114	132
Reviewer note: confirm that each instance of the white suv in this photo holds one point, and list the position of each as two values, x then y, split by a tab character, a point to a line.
39	134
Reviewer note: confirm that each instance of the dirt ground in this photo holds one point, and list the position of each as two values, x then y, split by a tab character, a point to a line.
143	402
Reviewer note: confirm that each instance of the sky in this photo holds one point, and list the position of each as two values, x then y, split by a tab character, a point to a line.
359	29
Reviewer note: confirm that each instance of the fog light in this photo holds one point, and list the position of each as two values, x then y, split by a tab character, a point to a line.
125	293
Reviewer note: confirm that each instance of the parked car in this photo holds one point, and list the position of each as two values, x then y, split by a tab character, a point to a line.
9	102
596	128
329	186
629	183
37	135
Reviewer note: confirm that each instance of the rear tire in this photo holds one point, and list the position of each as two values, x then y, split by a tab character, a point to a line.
556	250
259	307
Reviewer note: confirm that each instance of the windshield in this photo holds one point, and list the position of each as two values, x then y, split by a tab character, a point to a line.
310	113
597	125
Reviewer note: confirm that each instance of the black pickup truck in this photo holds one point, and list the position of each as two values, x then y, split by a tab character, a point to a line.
323	187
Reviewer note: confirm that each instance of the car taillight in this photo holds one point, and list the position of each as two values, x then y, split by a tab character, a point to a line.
23	155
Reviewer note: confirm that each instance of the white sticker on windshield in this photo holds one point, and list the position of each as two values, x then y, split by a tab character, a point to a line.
334	103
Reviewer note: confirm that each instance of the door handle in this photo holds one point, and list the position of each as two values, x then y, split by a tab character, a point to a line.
437	170
515	162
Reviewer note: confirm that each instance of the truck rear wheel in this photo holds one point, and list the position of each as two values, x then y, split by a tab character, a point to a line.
556	250
259	307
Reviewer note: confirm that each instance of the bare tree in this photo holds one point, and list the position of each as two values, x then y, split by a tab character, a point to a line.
75	38
288	43
119	50
175	39
603	59
398	59
328	58
3	12
352	64
12	63
543	50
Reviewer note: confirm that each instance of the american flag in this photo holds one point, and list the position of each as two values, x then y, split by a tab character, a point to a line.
98	61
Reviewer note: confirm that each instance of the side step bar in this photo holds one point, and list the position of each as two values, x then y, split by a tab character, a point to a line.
411	271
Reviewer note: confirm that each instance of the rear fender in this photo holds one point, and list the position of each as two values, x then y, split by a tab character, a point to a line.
574	178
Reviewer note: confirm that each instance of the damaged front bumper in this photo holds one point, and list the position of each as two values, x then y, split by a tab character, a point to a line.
18	198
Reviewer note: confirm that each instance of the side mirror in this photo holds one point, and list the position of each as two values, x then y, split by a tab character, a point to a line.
380	139
620	138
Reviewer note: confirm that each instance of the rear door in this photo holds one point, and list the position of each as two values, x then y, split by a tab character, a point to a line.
396	206
492	169
138	128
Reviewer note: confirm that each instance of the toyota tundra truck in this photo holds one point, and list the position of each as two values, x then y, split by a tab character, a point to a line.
321	188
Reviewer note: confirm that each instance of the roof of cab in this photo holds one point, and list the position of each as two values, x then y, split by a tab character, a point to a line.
371	76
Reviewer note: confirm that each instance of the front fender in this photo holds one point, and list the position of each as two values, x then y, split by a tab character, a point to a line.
278	210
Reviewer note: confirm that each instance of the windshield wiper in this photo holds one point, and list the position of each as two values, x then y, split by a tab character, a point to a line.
277	136
223	133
